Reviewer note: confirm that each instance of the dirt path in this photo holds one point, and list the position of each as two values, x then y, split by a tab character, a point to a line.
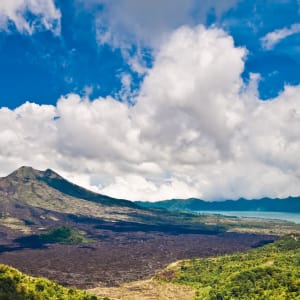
146	290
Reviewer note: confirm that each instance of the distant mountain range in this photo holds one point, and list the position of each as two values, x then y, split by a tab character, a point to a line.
291	204
38	196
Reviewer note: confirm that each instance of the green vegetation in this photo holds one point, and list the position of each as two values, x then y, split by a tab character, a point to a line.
64	235
14	285
268	273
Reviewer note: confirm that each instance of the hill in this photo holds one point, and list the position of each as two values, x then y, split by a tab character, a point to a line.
271	272
15	285
291	204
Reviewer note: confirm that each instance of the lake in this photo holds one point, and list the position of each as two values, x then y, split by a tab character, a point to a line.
292	217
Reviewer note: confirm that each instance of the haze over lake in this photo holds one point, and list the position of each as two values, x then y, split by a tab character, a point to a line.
292	217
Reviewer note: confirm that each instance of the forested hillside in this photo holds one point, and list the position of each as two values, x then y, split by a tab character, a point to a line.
15	285
270	272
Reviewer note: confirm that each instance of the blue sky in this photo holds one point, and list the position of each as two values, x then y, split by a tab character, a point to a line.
154	100
41	66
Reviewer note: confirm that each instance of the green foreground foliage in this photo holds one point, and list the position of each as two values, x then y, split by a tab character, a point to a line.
271	272
15	285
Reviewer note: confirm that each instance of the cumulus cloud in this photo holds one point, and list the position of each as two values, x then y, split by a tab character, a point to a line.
27	135
195	130
270	40
30	15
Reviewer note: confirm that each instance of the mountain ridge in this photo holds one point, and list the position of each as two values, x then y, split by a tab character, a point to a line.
56	181
49	178
290	204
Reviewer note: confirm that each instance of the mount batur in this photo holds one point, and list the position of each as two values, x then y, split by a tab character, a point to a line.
52	228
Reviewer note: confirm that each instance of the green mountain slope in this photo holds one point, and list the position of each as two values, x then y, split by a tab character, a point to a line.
271	273
15	285
291	204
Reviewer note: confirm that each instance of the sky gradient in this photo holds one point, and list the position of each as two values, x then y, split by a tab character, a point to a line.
151	100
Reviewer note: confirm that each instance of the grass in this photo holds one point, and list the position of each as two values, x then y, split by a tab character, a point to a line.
64	235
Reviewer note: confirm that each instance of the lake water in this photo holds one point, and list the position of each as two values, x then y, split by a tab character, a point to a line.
258	214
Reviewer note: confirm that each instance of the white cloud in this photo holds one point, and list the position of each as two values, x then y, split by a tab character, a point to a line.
45	15
27	135
189	97
195	130
272	38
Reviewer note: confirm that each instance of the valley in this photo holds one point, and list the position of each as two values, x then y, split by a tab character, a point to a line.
119	257
52	228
